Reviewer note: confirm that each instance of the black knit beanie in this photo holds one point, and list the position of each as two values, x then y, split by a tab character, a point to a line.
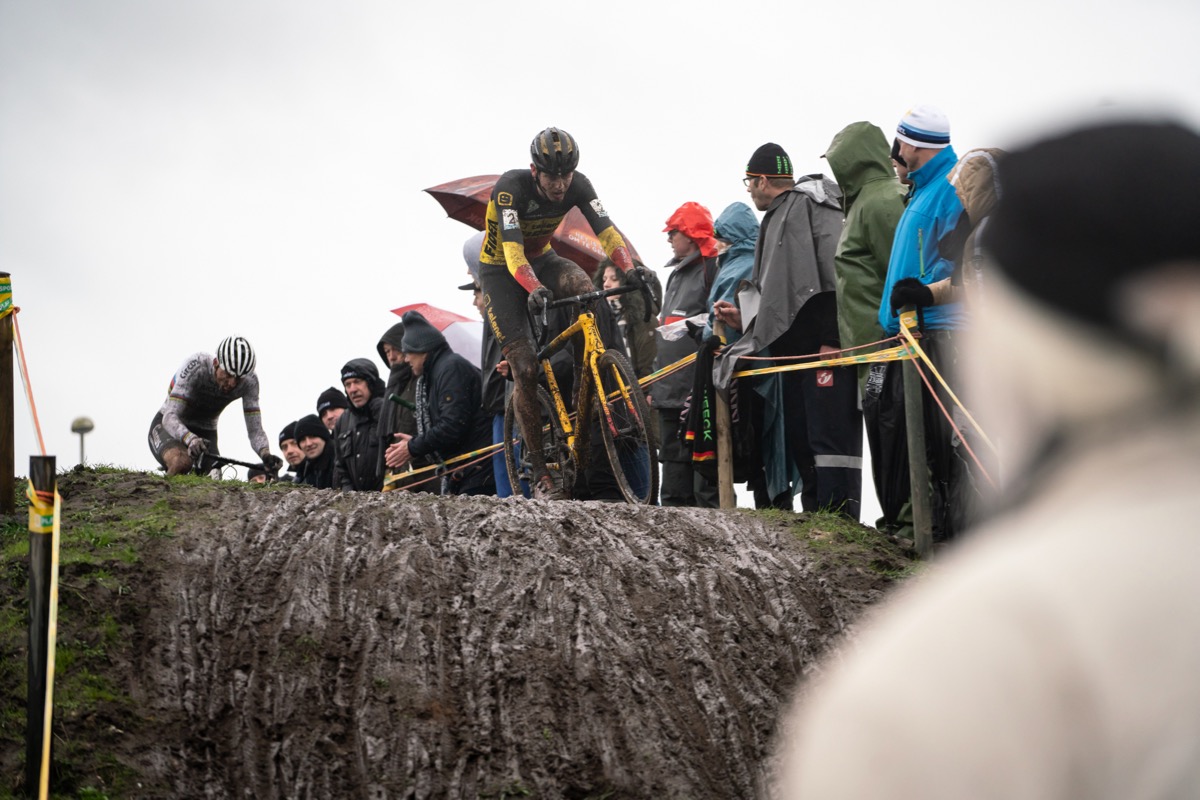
311	425
1081	212
331	398
770	161
288	432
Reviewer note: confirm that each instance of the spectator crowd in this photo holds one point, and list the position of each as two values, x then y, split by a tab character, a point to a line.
823	275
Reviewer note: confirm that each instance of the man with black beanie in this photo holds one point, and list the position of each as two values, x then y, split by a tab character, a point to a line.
356	438
292	453
315	441
330	406
790	307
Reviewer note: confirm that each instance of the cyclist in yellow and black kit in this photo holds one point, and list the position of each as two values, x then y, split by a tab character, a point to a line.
519	271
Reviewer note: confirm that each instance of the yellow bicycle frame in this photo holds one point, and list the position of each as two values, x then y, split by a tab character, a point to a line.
593	348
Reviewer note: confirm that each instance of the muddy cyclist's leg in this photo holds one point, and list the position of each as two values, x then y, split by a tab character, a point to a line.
177	460
505	310
171	453
523	366
567	279
564	277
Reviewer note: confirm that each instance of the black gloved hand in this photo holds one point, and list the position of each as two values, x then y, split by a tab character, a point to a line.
538	299
910	292
639	276
271	463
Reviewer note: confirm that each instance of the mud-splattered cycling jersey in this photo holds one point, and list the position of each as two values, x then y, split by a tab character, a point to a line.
195	401
520	224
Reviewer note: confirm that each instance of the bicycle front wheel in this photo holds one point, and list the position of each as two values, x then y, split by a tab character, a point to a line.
560	462
624	417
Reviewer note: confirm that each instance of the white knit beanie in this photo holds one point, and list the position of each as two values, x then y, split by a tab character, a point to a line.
924	126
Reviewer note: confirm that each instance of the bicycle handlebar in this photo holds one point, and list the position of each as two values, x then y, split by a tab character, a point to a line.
209	460
589	297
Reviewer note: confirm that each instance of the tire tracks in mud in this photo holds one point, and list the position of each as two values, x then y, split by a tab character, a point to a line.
317	644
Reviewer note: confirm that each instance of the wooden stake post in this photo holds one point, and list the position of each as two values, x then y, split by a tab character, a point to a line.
918	470
7	456
725	493
41	639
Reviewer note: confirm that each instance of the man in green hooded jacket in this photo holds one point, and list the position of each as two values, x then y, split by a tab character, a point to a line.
872	200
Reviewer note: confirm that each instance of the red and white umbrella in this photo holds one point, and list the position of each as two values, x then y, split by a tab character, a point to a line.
464	335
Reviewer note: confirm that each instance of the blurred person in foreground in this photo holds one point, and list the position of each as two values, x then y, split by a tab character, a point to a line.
1055	653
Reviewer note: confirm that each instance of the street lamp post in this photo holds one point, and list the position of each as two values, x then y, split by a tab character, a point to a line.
82	426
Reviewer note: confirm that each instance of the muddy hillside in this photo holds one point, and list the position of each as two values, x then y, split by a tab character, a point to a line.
269	643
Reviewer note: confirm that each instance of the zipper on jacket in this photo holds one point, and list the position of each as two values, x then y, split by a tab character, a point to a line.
921	249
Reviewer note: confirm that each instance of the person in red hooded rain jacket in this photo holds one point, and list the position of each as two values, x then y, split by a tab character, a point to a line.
693	270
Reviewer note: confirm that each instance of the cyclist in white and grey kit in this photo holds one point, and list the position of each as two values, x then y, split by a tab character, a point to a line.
186	425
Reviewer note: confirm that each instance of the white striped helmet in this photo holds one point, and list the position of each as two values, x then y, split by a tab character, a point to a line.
235	356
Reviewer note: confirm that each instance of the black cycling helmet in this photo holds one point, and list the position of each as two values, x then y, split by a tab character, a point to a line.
554	152
235	356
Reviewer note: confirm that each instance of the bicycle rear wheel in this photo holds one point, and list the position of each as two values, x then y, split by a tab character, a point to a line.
559	459
623	416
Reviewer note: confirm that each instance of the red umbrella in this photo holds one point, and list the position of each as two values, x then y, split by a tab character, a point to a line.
466	200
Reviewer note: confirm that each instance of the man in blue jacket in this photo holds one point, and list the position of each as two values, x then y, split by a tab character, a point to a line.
933	210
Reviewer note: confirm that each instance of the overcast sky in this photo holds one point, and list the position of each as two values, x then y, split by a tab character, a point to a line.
172	173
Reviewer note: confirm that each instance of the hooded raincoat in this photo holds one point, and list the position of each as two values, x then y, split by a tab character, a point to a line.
396	417
793	262
738	226
448	395
356	435
873	200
